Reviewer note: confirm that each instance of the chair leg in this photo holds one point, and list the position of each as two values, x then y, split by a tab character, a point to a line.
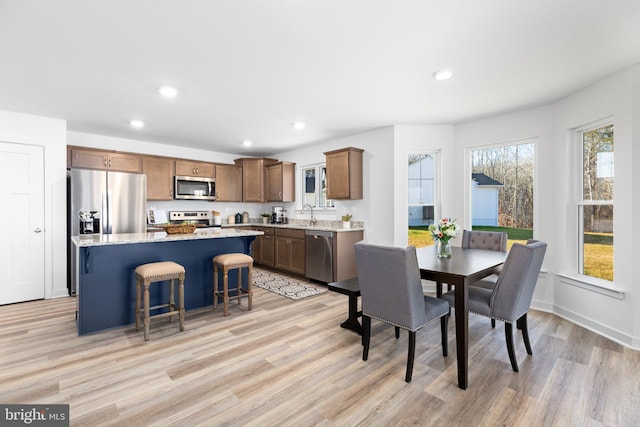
147	320
410	355
366	336
508	333
215	286
522	325
444	321
250	287
138	302
493	323
397	332
225	290
181	302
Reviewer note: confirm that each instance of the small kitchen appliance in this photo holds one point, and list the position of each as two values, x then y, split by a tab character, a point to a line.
276	215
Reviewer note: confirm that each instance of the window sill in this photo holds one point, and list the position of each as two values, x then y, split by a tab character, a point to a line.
592	284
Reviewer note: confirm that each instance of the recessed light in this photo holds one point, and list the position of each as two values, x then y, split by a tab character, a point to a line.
247	143
299	125
138	124
444	74
168	91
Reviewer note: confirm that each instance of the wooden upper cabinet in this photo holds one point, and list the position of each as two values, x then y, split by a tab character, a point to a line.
105	160
159	171
189	168
253	178
281	182
228	183
344	173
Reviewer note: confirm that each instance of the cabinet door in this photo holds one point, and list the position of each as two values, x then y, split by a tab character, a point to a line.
290	254
344	173
229	183
252	180
88	159
189	168
297	262
159	173
267	250
101	160
124	162
274	183
338	175
281	182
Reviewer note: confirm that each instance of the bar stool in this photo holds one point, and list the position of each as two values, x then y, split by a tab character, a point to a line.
230	262
159	272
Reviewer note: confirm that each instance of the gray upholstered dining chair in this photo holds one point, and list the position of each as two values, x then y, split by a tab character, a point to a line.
391	292
490	240
510	299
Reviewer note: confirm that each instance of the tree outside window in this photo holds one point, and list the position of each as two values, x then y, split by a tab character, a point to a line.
502	190
595	210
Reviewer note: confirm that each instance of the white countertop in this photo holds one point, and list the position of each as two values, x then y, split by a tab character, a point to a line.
84	240
335	228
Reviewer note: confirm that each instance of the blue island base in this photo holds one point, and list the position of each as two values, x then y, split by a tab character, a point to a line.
106	285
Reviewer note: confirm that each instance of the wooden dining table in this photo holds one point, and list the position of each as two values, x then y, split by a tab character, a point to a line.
463	268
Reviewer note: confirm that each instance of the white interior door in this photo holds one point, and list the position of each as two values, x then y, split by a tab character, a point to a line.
21	222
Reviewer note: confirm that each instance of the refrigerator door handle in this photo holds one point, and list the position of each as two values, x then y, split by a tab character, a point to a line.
106	207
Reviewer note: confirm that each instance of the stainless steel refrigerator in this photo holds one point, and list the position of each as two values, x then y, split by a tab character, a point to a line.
119	200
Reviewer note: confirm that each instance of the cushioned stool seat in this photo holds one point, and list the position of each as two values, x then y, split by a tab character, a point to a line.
159	272
230	262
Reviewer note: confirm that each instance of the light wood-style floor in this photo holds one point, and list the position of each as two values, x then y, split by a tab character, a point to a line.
288	363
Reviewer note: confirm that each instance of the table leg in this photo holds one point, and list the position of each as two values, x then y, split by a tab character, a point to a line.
438	289
352	322
462	331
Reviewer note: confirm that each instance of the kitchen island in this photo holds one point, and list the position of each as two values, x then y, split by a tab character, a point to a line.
104	264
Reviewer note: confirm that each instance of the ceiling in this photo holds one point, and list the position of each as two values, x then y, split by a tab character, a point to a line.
248	69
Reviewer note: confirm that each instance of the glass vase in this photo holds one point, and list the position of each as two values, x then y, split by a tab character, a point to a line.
444	250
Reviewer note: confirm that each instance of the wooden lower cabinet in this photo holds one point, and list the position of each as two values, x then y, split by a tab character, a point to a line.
290	250
263	247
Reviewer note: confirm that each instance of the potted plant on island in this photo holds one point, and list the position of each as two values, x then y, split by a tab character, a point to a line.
346	220
265	217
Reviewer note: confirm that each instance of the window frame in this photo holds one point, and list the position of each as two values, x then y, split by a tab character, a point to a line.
581	202
437	183
318	185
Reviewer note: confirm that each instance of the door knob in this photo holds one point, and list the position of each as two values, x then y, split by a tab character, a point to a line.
38	230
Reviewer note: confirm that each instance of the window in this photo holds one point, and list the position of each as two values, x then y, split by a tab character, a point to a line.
595	208
421	197
502	190
314	187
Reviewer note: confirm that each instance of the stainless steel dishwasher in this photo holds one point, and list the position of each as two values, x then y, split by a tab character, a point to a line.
319	255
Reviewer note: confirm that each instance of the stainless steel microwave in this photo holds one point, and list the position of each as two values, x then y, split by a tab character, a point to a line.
194	188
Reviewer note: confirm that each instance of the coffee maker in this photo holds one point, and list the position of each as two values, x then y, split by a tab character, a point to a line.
278	215
89	222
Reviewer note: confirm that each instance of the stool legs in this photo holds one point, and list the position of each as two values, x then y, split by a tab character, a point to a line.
250	287
240	290
147	319
143	309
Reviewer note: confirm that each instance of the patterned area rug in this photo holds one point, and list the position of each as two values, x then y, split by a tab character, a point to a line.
284	285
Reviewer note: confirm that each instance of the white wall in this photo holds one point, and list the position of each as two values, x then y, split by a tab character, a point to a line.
376	208
51	135
560	290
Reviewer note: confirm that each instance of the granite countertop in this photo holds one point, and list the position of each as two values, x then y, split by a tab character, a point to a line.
335	226
85	240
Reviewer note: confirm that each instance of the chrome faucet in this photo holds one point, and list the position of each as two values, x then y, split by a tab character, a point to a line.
312	220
